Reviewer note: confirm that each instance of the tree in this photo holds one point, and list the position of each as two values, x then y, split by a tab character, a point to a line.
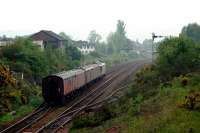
65	36
73	52
121	28
25	57
94	38
118	41
177	55
101	48
192	31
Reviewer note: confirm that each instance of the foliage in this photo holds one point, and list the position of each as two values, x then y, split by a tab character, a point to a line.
158	89
20	111
158	113
177	56
134	107
24	57
67	37
192	101
94	38
73	53
117	49
6	77
184	80
92	119
101	48
192	31
58	61
11	97
118	41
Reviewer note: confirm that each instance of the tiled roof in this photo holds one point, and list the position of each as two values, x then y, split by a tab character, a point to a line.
52	34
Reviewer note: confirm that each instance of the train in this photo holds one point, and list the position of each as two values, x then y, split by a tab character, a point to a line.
56	88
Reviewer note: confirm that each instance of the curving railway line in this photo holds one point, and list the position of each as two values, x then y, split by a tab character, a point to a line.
95	96
68	114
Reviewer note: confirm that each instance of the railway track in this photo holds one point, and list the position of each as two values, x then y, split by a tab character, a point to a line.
68	114
84	103
28	120
124	79
55	112
36	115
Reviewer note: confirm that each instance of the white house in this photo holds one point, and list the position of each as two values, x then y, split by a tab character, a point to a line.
4	41
85	47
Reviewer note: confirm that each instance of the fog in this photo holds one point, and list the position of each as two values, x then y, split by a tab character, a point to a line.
77	17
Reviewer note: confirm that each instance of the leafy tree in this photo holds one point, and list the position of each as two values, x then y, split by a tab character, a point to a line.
192	31
65	36
94	38
101	48
73	52
24	56
177	55
118	41
70	50
121	28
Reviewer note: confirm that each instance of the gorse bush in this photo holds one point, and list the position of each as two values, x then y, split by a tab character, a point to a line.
24	57
192	101
184	80
176	56
6	78
12	92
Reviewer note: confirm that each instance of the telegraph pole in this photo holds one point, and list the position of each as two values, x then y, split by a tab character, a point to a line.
153	38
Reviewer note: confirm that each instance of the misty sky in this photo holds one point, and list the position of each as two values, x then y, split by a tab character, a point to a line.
78	17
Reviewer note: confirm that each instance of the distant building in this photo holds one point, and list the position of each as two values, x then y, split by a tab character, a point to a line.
4	41
84	46
46	38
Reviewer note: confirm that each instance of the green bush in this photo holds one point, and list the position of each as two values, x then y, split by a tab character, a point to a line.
35	101
92	119
134	105
177	55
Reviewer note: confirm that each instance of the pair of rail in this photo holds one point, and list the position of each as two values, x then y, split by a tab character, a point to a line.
69	113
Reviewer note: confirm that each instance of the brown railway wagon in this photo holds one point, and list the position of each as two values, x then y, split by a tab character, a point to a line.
51	88
56	87
73	81
92	72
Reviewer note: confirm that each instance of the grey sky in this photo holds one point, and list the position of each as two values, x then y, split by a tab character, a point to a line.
78	17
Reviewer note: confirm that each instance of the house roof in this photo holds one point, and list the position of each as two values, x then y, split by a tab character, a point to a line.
51	34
